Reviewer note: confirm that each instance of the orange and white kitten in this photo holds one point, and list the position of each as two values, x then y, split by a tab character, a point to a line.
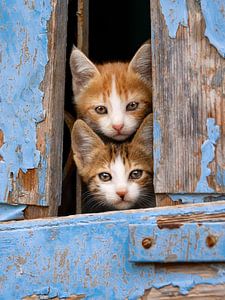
118	176
113	98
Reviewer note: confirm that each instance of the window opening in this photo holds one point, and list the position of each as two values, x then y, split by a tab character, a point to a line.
116	30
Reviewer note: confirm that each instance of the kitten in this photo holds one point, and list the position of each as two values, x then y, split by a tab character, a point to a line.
112	98
118	176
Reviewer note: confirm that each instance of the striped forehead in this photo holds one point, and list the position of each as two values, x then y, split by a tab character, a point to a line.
118	169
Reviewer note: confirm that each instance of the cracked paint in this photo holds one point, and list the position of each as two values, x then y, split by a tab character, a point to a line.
23	48
157	141
175	13
214	14
89	256
208	155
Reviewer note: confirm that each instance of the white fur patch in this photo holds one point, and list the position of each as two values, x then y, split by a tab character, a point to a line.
118	173
117	106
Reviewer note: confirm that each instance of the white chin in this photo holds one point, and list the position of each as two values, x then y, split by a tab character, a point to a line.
121	137
123	205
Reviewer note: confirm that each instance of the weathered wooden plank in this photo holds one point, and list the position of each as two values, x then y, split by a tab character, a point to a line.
32	94
179	220
188	100
23	58
49	132
87	255
83	26
82	44
189	242
200	292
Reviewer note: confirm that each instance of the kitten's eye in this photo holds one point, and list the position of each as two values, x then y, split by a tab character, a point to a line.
131	106
105	176
135	174
101	110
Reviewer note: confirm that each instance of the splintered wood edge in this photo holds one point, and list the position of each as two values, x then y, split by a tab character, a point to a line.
199	292
53	87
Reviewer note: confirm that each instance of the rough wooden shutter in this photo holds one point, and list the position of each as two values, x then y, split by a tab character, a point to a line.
32	48
189	100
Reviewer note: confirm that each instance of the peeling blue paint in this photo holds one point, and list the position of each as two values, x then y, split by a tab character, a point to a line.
196	198
11	212
157	142
175	13
23	52
220	176
214	14
208	154
88	254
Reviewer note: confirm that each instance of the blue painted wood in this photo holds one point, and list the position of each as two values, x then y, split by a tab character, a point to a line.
24	56
183	243
88	255
11	212
175	13
214	14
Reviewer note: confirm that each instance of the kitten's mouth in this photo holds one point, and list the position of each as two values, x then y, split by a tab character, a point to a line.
120	136
123	204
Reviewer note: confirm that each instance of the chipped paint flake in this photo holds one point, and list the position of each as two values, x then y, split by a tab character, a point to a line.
23	48
208	154
175	13
214	14
11	212
157	142
196	198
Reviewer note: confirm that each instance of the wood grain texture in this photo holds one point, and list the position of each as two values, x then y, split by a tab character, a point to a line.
189	88
51	130
177	220
83	26
83	45
199	292
165	200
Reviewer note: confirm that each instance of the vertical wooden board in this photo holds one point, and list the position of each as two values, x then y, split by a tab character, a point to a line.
188	99
33	44
83	45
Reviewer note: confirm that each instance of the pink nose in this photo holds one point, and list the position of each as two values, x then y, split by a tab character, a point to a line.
121	193
117	127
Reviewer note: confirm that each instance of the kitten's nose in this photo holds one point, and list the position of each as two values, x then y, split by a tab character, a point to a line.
122	193
117	127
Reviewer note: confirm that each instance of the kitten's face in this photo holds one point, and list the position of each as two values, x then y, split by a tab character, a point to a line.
122	181
112	98
118	177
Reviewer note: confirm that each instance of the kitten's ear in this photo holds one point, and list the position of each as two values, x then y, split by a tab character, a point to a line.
85	143
82	70
141	62
144	136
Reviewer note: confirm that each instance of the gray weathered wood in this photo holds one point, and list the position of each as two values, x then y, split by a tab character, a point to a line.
189	88
82	44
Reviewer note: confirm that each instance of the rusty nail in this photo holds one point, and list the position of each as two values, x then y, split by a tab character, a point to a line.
147	242
211	240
